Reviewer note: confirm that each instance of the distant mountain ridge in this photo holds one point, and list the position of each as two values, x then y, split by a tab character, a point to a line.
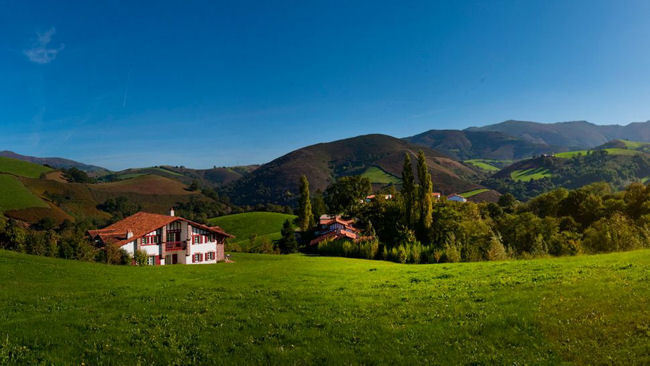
57	163
470	144
572	135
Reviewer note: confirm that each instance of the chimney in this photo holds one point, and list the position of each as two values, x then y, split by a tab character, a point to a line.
171	211
129	234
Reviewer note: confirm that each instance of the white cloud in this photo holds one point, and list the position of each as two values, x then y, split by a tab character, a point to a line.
41	52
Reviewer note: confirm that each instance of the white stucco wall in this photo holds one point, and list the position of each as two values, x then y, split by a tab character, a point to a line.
203	249
129	247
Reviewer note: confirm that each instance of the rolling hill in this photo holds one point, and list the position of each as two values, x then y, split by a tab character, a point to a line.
470	144
214	177
574	135
530	177
277	181
58	163
22	168
243	225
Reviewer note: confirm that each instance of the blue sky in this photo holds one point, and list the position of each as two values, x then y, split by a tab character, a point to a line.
202	83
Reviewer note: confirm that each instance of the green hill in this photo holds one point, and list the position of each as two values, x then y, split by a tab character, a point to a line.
21	168
277	181
262	224
296	309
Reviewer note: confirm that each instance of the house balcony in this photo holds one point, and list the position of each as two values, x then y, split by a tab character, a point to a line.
172	246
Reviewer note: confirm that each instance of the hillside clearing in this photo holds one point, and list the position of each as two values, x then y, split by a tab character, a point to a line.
611	151
21	168
527	175
474	192
243	225
378	176
483	164
300	309
14	195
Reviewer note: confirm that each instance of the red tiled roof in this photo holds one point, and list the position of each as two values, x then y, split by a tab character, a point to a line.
338	234
141	224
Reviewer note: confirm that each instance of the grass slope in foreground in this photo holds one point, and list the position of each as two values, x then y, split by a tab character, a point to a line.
14	195
267	309
22	168
243	225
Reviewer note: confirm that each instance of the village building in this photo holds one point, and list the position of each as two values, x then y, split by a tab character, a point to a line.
456	198
436	195
371	197
167	239
335	227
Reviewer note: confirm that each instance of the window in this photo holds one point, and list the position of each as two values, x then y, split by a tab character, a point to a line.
196	239
198	257
209	256
151	261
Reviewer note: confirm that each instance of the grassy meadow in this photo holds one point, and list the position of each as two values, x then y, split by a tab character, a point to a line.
611	151
378	176
297	309
484	164
14	195
243	225
22	168
473	192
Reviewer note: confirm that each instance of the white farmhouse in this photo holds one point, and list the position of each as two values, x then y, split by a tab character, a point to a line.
166	239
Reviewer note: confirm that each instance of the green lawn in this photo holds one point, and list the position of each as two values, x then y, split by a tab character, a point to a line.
474	192
267	224
22	168
483	164
296	309
14	195
378	176
527	175
635	145
611	151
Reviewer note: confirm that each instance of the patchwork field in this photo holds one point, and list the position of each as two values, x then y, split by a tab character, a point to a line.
22	168
14	195
262	224
530	174
296	309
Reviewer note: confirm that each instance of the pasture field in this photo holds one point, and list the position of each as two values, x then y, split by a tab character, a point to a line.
14	195
22	168
297	309
474	192
611	151
378	176
243	225
483	164
527	175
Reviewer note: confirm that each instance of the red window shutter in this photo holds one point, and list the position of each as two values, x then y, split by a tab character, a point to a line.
201	260
194	258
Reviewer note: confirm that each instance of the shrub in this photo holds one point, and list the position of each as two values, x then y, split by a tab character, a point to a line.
140	257
496	251
612	234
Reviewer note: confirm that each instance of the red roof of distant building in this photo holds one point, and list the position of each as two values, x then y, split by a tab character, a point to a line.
142	223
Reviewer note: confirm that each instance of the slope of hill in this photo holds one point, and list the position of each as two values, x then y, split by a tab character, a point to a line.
214	177
470	144
572	135
531	177
277	181
57	163
14	195
22	168
243	225
294	309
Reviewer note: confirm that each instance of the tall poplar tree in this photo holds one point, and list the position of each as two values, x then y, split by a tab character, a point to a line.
305	213
425	191
408	189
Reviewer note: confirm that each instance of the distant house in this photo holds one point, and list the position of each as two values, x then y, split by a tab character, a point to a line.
456	198
436	195
166	239
335	227
372	197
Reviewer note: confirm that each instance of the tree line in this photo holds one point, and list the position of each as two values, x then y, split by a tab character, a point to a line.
413	227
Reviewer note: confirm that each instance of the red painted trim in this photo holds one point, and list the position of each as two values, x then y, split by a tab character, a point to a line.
157	260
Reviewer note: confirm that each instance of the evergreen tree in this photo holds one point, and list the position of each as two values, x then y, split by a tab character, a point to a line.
288	243
425	191
408	189
305	214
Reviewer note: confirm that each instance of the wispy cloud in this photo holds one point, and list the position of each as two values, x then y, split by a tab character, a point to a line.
41	52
